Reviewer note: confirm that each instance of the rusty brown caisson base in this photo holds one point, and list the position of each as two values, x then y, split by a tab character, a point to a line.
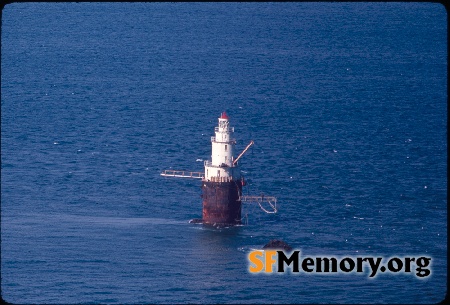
221	202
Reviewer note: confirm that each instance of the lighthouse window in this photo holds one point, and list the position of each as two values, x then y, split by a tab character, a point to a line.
226	146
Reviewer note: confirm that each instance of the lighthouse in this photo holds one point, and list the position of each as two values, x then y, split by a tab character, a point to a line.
222	181
222	185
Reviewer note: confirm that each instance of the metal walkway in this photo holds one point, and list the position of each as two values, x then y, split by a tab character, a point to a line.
272	201
182	174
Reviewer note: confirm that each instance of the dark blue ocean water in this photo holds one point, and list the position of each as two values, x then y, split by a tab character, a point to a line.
346	103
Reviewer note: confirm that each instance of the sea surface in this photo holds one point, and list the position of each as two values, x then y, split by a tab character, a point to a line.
346	103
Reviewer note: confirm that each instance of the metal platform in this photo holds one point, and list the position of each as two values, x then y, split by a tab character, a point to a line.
272	201
182	174
258	198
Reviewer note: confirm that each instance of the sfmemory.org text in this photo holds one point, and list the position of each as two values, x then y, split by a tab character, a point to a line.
270	261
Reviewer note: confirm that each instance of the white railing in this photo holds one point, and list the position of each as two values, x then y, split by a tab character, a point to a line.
182	174
221	179
229	129
232	141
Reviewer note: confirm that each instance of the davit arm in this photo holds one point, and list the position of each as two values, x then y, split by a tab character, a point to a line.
243	152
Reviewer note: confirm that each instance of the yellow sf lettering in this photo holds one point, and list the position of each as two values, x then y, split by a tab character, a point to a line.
256	258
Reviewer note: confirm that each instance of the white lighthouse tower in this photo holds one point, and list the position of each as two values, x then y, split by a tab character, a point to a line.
222	168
